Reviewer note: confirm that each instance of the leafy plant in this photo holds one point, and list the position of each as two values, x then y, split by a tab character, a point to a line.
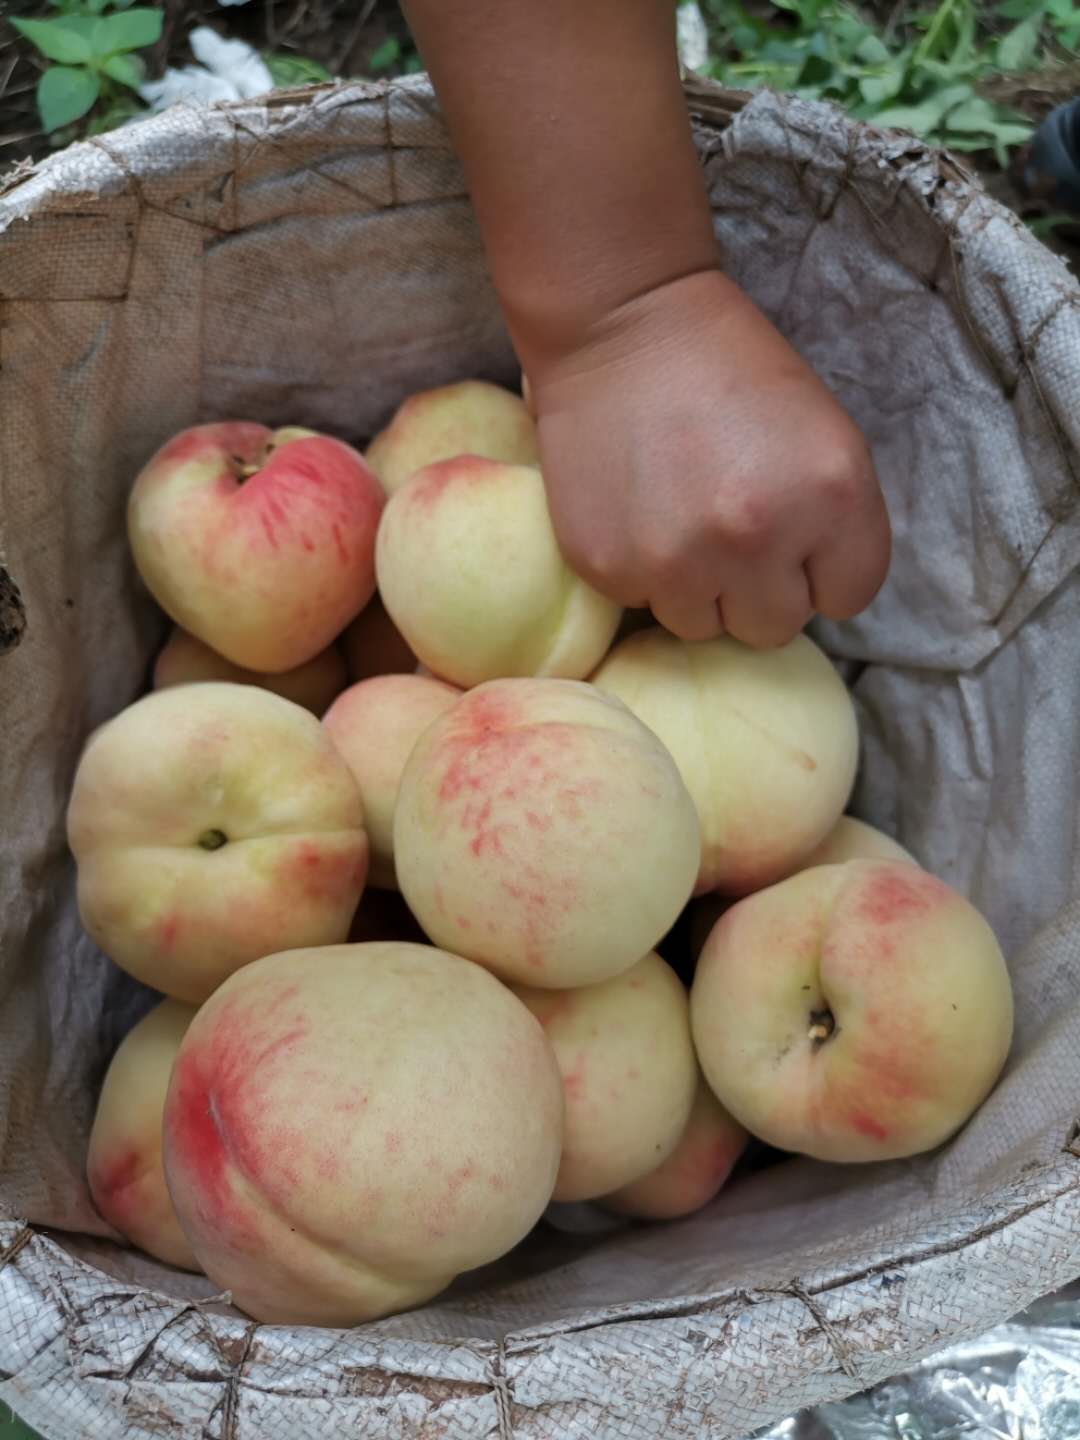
93	59
925	79
287	70
391	54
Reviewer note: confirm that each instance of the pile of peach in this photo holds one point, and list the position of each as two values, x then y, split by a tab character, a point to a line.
350	1096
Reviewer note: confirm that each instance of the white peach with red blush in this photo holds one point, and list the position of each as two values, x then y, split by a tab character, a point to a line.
543	831
854	1012
259	542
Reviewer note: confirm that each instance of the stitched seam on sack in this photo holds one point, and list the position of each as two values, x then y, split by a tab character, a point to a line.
751	1298
22	1238
500	1389
836	1344
230	1405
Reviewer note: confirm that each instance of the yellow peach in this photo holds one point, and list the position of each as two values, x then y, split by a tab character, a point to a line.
628	1069
349	1128
543	831
852	839
694	1172
123	1163
471	417
765	740
375	725
212	824
472	575
852	1012
260	543
185	660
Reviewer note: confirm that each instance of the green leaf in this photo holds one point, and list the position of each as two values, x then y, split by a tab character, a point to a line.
975	114
949	70
131	30
127	69
384	55
66	40
1016	50
286	70
877	89
115	115
814	71
873	51
65	94
745	39
1041	225
924	117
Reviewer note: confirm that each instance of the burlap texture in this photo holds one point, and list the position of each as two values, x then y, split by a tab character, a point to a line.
311	258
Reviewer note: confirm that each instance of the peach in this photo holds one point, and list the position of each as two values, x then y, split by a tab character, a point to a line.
258	542
373	645
123	1165
349	1128
853	1012
185	660
472	575
852	839
628	1072
471	417
694	1172
375	725
849	839
765	740
212	824
543	831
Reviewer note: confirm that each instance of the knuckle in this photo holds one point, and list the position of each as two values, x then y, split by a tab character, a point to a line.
844	470
660	556
745	524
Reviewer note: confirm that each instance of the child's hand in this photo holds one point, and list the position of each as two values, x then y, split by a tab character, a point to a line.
696	464
693	461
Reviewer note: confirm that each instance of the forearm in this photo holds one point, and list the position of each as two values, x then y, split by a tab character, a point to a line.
569	119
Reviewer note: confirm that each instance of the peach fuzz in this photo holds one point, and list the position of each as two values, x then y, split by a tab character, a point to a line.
628	1071
212	824
471	417
373	645
472	575
853	1012
259	542
695	1171
375	725
185	660
852	839
123	1163
349	1128
543	831
765	740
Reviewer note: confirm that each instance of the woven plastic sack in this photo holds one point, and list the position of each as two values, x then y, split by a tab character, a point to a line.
311	258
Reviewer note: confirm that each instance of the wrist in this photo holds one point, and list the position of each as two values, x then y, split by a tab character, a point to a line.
672	315
551	319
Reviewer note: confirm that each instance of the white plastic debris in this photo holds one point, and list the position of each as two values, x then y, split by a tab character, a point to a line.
692	36
227	70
